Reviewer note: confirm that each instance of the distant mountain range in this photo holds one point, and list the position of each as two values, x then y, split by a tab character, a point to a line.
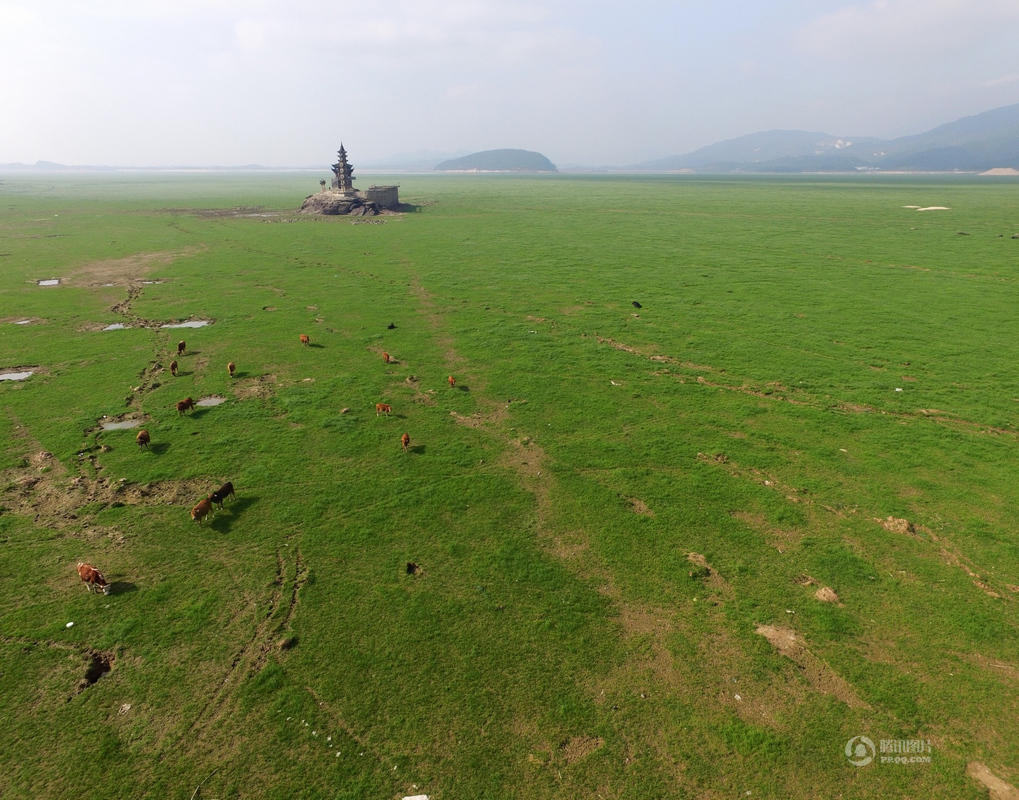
972	144
499	161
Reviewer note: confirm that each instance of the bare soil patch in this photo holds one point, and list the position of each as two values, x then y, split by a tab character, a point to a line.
996	787
704	571
261	386
949	553
123	271
579	747
99	663
638	506
827	595
821	676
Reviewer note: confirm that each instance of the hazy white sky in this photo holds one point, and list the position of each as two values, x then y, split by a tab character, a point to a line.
203	82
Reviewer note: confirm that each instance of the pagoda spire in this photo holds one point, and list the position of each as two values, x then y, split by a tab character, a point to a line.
343	180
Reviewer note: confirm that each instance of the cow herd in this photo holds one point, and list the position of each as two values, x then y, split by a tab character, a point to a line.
93	578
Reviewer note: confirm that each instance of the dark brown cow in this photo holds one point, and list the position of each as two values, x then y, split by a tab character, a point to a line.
383	408
386	358
185	405
405	441
93	578
222	493
143	438
173	368
181	347
304	339
231	368
201	511
451	380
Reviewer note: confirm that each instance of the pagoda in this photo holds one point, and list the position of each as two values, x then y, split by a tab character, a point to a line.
343	180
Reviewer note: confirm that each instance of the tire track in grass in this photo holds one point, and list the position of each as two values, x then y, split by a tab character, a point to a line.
253	654
946	551
776	392
651	668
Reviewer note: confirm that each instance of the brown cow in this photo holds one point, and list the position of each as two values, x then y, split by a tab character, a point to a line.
173	368
452	380
143	438
383	408
222	493
304	339
231	368
386	358
93	578
405	441
200	511
185	405
181	346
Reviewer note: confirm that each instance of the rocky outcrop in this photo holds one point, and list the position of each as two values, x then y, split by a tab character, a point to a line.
334	204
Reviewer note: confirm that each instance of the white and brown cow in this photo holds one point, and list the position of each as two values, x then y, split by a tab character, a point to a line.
93	578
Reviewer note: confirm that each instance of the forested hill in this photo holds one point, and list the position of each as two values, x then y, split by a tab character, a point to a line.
499	161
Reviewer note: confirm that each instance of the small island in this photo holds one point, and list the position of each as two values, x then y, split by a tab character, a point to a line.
341	198
499	161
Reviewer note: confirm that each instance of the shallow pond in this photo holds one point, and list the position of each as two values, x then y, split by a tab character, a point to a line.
14	376
213	400
120	425
196	323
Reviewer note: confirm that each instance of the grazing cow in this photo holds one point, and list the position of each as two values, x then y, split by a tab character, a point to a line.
405	441
93	578
383	408
222	493
181	346
304	339
386	358
391	326
185	405
173	368
143	438
635	304
201	511
452	381
231	368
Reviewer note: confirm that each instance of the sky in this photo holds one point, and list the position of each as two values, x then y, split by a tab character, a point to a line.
585	82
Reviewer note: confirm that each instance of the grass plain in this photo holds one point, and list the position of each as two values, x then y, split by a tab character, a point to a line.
621	515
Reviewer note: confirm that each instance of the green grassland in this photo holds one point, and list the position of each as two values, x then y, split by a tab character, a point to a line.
621	515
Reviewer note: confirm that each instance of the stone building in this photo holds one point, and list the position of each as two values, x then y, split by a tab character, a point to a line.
384	196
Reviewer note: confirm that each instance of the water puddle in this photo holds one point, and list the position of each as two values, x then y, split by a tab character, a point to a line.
213	400
23	322
195	323
151	283
116	326
15	376
119	424
49	282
